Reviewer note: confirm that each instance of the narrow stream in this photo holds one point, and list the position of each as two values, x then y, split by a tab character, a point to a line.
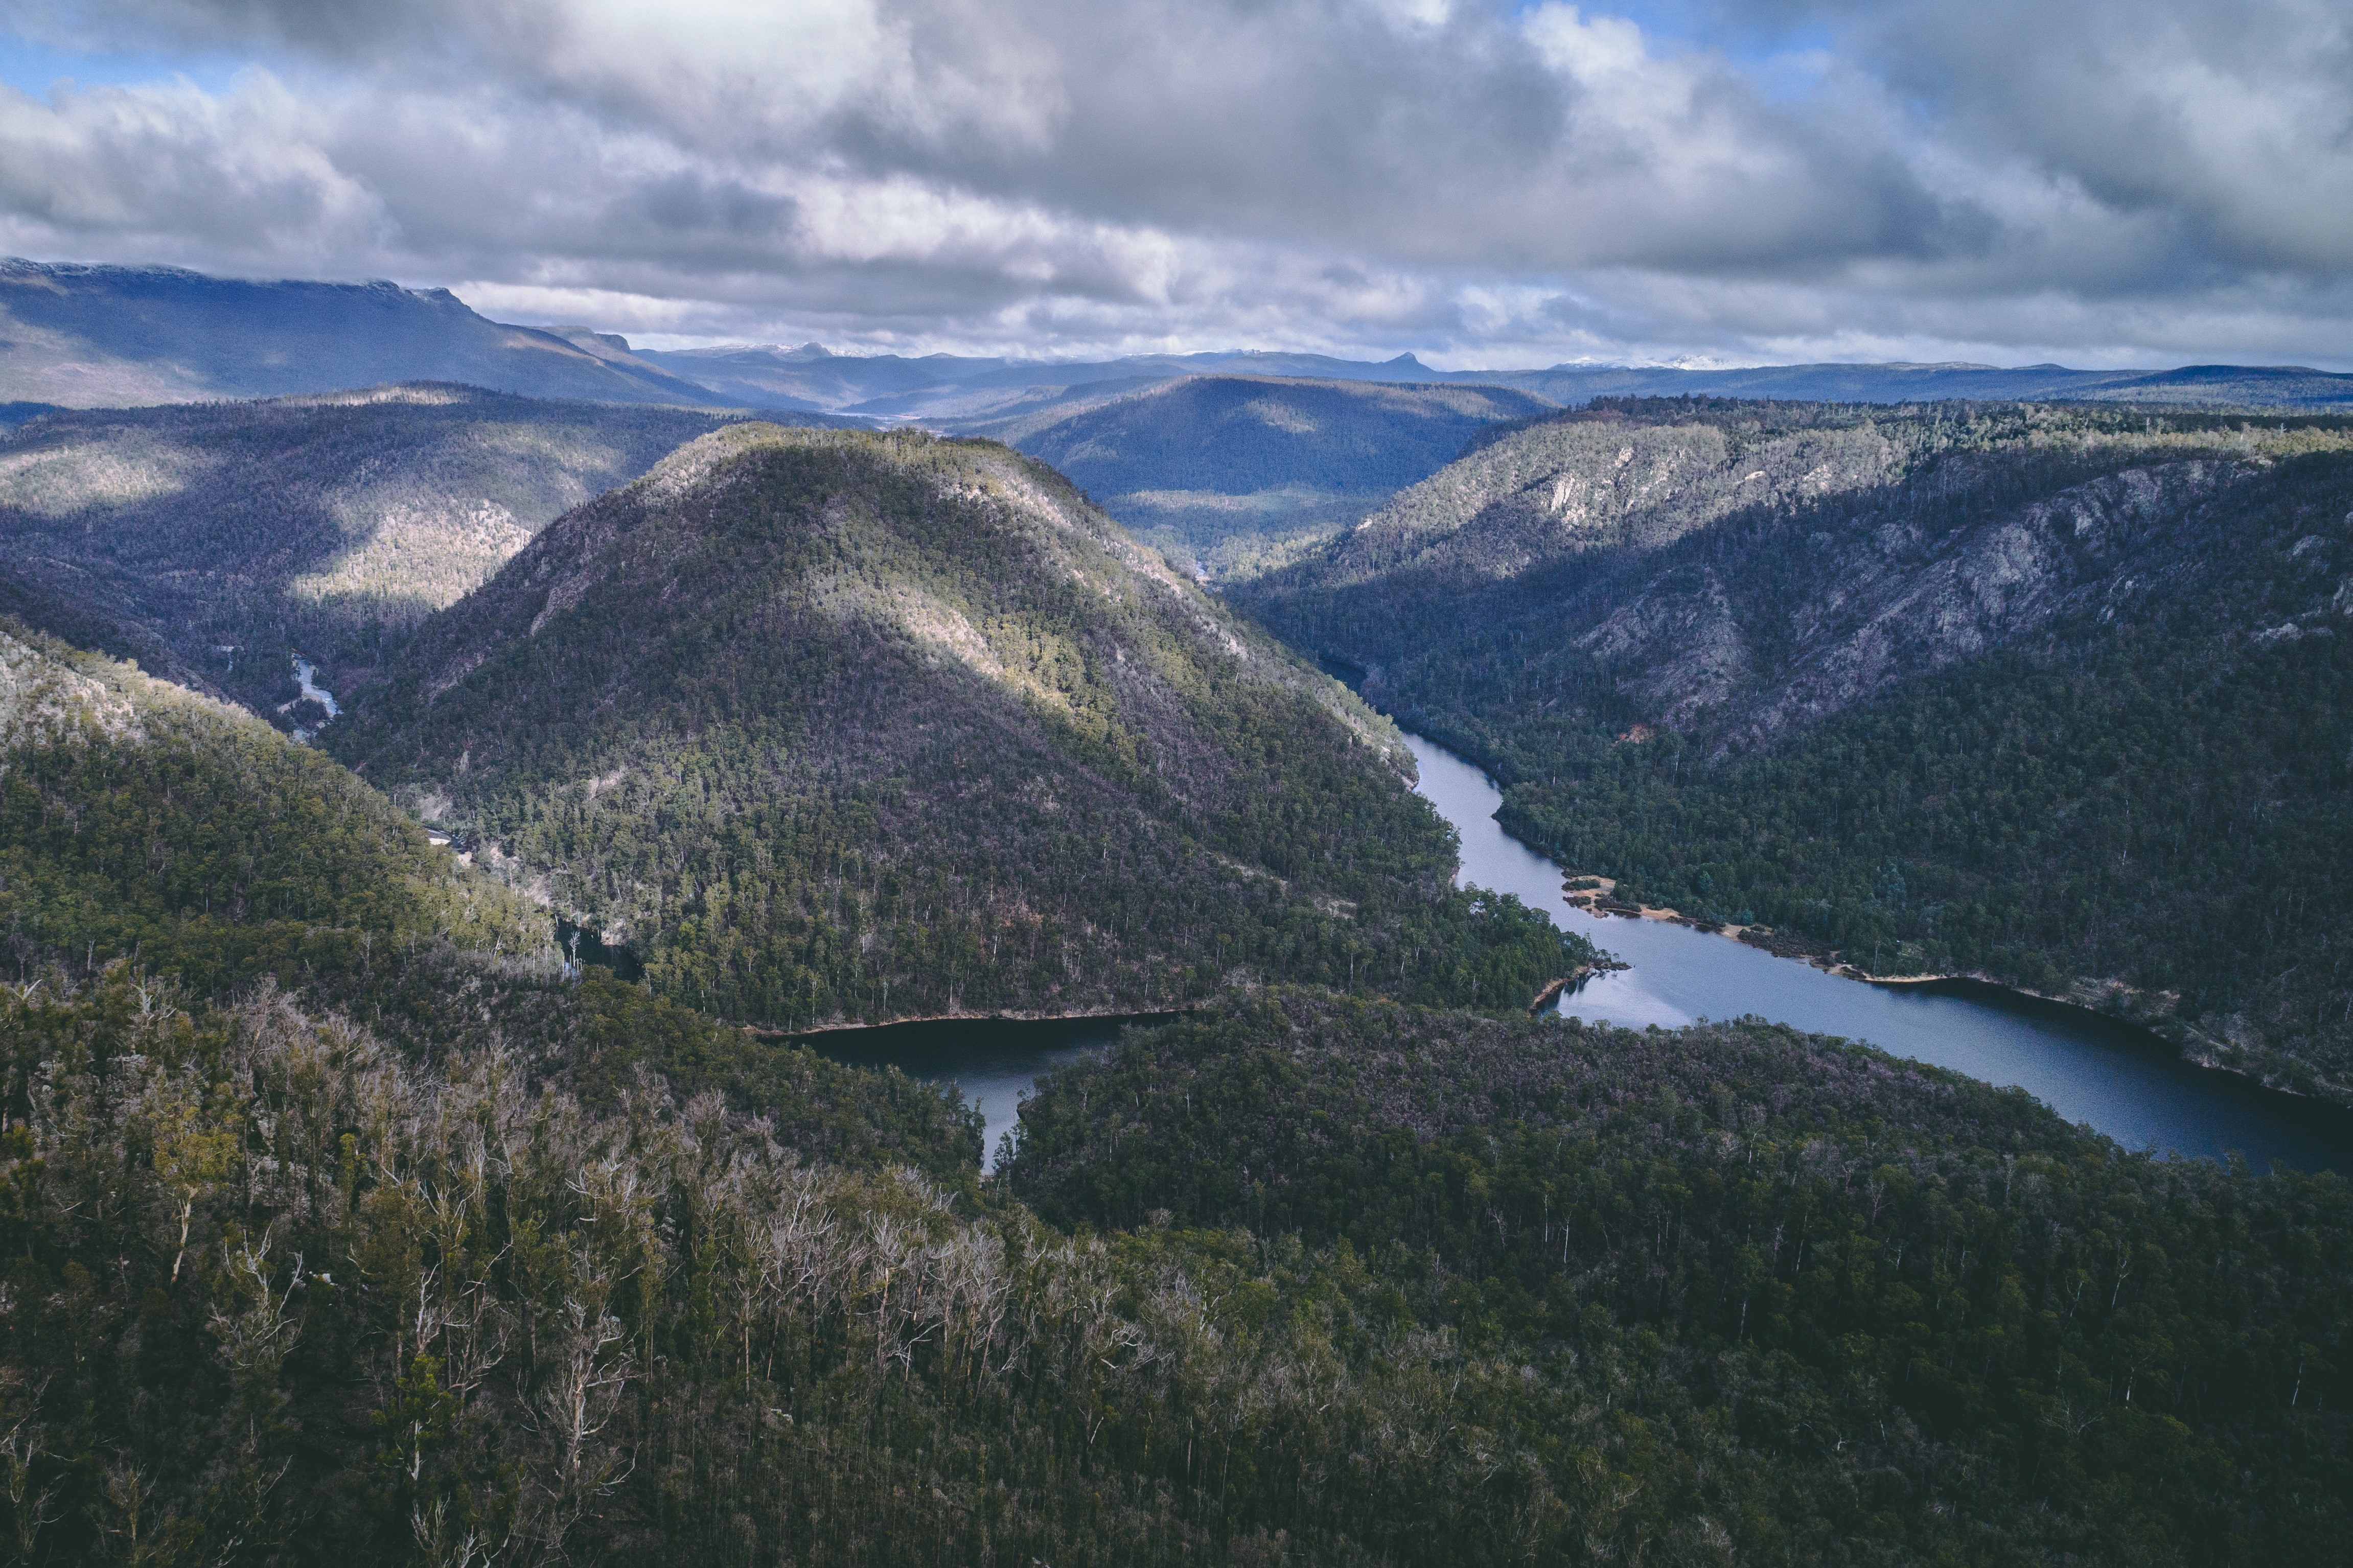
306	675
2122	1081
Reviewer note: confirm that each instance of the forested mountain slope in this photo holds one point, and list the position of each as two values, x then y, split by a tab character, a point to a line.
208	539
137	816
831	726
164	851
1732	1292
1546	492
1235	461
2059	697
116	336
337	1223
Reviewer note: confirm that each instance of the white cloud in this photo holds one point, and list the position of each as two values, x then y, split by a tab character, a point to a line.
1482	184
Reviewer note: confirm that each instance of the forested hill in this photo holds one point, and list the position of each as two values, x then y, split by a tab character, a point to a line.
2056	696
1235	461
138	817
831	726
165	855
206	539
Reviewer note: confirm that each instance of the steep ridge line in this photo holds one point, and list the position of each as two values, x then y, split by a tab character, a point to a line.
844	727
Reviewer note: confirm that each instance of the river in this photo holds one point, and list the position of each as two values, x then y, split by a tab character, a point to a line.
2120	1079
306	676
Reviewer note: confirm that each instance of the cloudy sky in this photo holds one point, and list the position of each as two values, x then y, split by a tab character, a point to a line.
2098	181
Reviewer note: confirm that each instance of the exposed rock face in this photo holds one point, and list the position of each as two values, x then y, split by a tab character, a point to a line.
1896	600
1689	644
1525	500
1744	576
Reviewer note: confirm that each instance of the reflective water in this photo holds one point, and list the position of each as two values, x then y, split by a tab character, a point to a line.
2120	1079
993	1060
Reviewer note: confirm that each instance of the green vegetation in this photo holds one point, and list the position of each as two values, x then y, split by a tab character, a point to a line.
1347	1283
208	540
2055	696
1730	1293
1237	470
155	840
833	726
341	1220
139	818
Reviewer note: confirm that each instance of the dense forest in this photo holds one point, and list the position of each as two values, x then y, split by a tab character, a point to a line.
165	841
2055	696
341	1218
832	726
1305	1279
1753	1295
208	540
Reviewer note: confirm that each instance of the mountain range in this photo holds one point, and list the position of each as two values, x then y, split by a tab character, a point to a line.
984	395
88	336
83	336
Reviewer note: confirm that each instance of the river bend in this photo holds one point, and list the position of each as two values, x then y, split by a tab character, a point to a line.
2121	1079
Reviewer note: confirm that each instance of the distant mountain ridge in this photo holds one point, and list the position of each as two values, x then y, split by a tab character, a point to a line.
95	336
1226	471
89	335
978	395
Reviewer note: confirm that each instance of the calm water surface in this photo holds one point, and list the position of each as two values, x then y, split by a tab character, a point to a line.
994	1060
2122	1081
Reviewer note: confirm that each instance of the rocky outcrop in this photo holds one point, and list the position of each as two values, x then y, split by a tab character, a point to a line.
1890	600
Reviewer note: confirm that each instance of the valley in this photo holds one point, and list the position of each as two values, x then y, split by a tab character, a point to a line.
1087	1086
1974	691
205	540
2120	1078
1295	783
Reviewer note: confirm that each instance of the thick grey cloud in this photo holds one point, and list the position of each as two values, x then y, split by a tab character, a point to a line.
2101	181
